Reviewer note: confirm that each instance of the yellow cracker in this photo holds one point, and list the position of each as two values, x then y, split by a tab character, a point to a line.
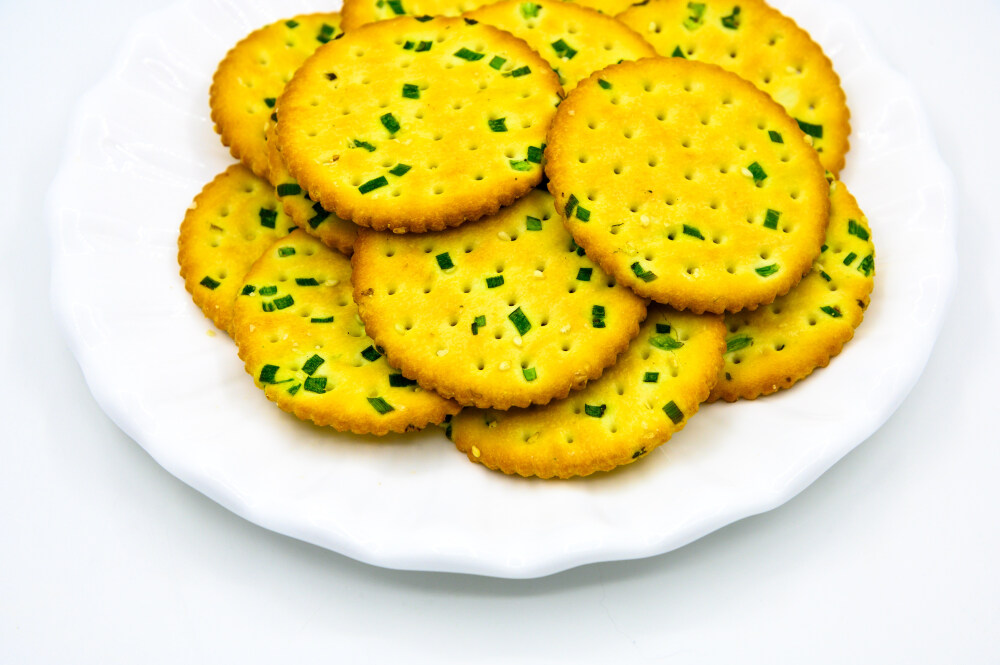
767	48
230	224
609	7
497	313
656	385
253	74
416	125
669	173
357	13
300	336
576	41
335	232
775	346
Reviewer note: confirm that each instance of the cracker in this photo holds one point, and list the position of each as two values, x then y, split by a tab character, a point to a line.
502	312
576	41
252	76
231	222
609	7
417	125
666	172
336	233
756	41
357	13
650	393
299	334
775	346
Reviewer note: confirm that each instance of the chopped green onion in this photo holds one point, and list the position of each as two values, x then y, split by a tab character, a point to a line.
400	381
738	342
757	171
396	6
267	306
856	229
493	282
520	321
466	54
604	84
535	153
823	248
364	144
292	390
678	53
651	377
424	18
529	373
498	125
328	319
325	33
330	76
424	46
389	122
292	24
816	131
597	314
584	274
530	9
310	366
283	302
767	271
595	411
288	189
693	232
248	289
520	71
270	101
209	283
400	169
570	205
534	224
674	413
306	281
497	62
408	45
268	217
696	18
520	165
444	261
563	50
662	328
582	214
315	384
411	91
268	290
733	20
371	354
771	219
643	274
775	136
479	322
471	21
372	184
824	275
849	259
832	311
286	251
267	373
573	247
319	217
665	342
380	405
867	265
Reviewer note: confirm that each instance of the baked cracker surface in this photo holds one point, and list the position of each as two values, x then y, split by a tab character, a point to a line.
298	333
638	404
357	13
505	311
669	173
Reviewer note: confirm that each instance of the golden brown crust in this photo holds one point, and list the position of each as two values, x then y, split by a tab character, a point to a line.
765	47
674	210
299	336
775	347
424	315
344	144
357	13
221	236
253	74
607	7
588	39
615	420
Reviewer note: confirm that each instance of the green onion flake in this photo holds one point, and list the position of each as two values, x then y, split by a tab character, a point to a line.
209	283
310	366
498	125
520	321
373	184
534	224
650	377
289	189
597	314
400	381
757	171
771	219
364	144
767	271
520	71
816	131
733	20
535	153
315	384
642	273
857	230
396	6
595	411
662	328
389	122
849	259
674	413
284	302
306	281
775	136
867	265
530	9
411	91
563	50
444	261
584	274
400	169
380	405
678	53
286	251
693	232
267	373
493	282
604	84
371	354
520	165
466	54
832	311
738	342
665	342
697	16
529	373
497	62
268	217
479	322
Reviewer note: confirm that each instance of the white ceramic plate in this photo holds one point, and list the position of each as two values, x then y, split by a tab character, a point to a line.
142	146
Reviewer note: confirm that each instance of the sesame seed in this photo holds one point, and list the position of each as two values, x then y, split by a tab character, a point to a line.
565	329
809	139
475	452
503	235
442	353
332	282
504	366
400	328
539	274
517	340
745	171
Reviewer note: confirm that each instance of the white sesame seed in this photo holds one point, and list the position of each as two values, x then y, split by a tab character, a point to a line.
503	235
332	282
809	139
475	452
790	69
442	353
517	341
572	112
504	366
745	171
652	26
400	328
252	327
539	274
565	329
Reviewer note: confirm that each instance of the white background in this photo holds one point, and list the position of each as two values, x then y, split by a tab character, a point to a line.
892	557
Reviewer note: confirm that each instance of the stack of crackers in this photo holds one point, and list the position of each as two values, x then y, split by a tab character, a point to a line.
554	228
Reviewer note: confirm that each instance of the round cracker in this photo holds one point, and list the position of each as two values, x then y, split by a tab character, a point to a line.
300	337
778	345
666	173
609	7
576	41
253	75
231	222
762	45
502	312
638	404
417	125
357	13
311	217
